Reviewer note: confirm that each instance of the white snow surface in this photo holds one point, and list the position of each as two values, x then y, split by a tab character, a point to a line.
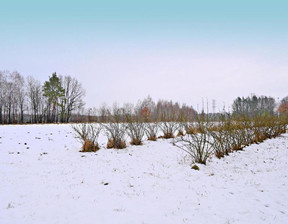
45	179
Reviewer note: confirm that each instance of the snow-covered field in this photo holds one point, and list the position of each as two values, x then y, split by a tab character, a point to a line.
45	179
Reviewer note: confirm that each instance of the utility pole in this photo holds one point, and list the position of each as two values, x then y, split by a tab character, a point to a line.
213	106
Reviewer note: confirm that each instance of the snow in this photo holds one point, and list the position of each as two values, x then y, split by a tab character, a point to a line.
45	179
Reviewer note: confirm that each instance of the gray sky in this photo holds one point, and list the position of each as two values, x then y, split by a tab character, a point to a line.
185	51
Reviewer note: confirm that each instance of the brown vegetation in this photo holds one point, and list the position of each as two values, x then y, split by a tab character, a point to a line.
116	144
89	146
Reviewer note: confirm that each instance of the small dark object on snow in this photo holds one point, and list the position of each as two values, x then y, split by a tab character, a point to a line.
195	167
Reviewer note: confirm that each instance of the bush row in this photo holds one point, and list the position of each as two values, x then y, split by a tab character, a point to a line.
200	139
117	132
204	138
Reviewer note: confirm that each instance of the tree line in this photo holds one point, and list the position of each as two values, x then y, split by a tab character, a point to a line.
61	99
254	105
164	110
27	100
145	110
259	105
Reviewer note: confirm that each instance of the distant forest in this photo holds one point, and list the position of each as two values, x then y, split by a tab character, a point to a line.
60	99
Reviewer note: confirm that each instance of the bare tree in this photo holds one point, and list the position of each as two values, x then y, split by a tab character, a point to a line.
34	92
2	97
9	99
146	109
19	95
103	113
73	97
12	97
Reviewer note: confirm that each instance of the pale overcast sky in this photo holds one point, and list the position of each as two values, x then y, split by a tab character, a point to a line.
181	50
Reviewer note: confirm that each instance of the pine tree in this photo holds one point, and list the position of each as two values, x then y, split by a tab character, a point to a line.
53	90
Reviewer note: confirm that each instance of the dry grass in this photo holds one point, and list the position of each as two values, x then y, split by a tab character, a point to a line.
89	146
136	141
167	135
116	144
152	138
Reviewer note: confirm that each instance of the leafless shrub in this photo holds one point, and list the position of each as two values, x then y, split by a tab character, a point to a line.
282	125
234	134
221	143
116	135
136	131
168	129
275	127
181	128
115	129
116	143
134	125
88	135
266	126
239	139
222	137
151	130
194	128
258	133
197	145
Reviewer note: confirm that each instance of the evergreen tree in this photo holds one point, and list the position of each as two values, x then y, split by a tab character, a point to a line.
53	91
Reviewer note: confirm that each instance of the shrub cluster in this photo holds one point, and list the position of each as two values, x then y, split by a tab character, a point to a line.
168	129
151	130
204	138
88	135
196	142
115	129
